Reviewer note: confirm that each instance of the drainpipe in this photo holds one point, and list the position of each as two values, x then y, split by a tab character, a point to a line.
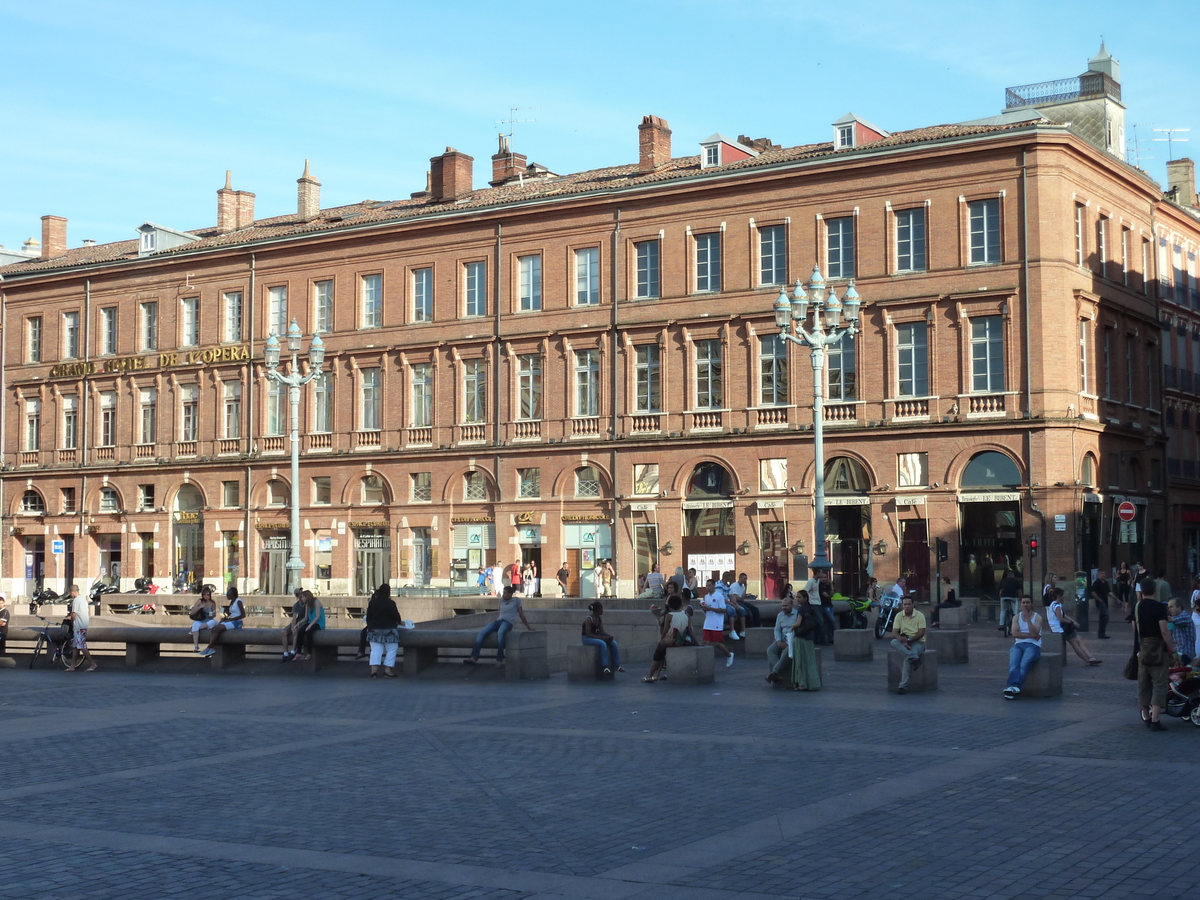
3	416
1027	354
496	391
251	436
85	431
615	382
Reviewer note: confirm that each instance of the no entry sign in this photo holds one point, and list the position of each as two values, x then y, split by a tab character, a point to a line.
1127	511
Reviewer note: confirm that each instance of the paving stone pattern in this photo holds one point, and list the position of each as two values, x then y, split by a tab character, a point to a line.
137	785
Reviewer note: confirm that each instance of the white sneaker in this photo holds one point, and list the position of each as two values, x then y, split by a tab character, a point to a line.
743	635
729	662
733	636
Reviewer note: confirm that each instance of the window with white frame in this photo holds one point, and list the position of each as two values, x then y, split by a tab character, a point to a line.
70	421
529	386
33	339
648	378
108	331
845	136
474	391
422	395
1085	356
276	415
772	371
422	283
646	254
529	282
712	155
708	262
149	315
587	276
108	419
987	354
1079	249
70	342
190	315
912	354
146	497
323	301
645	479
422	487
109	501
322	490
372	301
474	486
277	310
189	400
841	381
984	223
912	469
587	481
475	286
839	245
233	410
68	499
33	504
529	482
772	254
33	424
910	240
372	399
1102	246
277	493
231	494
323	404
372	490
587	382
148	416
709	375
231	302
1126	237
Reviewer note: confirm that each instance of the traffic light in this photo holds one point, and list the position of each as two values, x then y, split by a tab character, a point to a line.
1033	544
943	550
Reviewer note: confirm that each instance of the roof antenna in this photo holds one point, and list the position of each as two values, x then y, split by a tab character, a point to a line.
512	120
1170	137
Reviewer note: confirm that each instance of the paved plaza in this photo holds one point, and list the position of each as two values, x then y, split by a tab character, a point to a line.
266	783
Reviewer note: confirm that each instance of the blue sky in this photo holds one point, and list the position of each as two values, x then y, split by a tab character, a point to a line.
116	113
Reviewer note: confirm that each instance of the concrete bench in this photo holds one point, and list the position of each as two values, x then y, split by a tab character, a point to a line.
755	644
954	617
583	663
923	679
691	665
1045	677
950	644
853	645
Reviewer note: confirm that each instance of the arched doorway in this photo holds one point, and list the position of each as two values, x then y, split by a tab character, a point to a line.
848	524
709	543
989	530
189	539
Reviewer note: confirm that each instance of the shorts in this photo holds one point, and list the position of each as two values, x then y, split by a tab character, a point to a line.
714	637
1068	632
231	625
80	639
198	626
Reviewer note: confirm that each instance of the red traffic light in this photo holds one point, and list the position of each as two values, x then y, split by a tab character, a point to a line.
1033	546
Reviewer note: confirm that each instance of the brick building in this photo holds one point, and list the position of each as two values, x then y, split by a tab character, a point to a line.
585	366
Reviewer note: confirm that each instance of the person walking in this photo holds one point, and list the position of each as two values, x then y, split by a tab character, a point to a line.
1155	652
1124	583
1026	649
1100	591
806	675
383	631
714	607
80	616
563	576
594	635
908	636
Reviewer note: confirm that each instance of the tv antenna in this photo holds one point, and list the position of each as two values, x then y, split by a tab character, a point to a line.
1170	139
1135	155
513	120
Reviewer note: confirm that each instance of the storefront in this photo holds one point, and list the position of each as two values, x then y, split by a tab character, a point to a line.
372	556
474	548
587	539
188	572
108	547
989	517
529	539
709	534
276	546
848	525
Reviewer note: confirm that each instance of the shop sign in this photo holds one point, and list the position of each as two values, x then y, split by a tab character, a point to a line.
1136	501
586	517
531	534
910	501
847	501
525	518
231	353
992	497
471	520
1093	498
272	526
365	525
638	507
770	504
708	504
372	542
187	517
279	542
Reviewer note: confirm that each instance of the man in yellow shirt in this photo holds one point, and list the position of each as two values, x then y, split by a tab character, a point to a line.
908	635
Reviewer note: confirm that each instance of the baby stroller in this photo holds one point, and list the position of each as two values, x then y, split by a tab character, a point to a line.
1183	694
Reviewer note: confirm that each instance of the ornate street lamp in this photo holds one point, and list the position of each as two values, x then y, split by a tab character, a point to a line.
294	381
826	329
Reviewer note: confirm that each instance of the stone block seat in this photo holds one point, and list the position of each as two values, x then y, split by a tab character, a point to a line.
583	663
754	645
954	617
1045	677
691	665
950	644
923	679
853	645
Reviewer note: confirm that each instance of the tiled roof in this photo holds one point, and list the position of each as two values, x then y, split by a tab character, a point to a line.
580	183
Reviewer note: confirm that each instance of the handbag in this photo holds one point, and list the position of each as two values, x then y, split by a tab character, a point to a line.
199	615
1153	653
1131	668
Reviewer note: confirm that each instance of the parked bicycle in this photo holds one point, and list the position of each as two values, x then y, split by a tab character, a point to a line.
56	641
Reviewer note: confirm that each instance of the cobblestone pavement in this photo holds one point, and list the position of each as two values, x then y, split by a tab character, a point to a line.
181	783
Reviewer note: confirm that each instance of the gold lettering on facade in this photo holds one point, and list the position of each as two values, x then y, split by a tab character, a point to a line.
588	517
526	518
368	524
205	356
472	520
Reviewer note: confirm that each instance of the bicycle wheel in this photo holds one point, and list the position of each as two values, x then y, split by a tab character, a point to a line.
64	654
41	642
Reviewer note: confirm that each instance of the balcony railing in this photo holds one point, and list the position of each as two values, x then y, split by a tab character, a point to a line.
227	446
912	409
1087	405
422	436
529	430
188	448
841	412
321	440
1090	84
473	433
106	454
773	417
273	444
368	439
649	424
143	451
30	457
587	427
706	421
986	405
1170	381
67	457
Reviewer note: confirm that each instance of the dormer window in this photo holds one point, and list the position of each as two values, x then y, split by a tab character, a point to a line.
719	150
850	131
712	155
845	136
148	242
156	238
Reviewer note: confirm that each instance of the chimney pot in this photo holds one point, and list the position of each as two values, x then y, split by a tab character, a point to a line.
654	144
235	209
308	195
506	165
54	236
450	175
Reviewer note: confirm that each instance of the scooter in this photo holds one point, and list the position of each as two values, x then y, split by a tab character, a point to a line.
859	608
889	606
41	596
99	589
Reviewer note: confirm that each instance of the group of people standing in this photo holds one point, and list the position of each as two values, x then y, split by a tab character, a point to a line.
523	578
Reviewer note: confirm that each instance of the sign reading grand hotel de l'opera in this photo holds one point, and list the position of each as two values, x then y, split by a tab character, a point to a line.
199	356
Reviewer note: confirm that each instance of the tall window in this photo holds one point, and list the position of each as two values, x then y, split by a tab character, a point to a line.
1108	364
529	482
231	493
772	254
372	301
322	490
984	216
587	382
149	312
108	331
1085	357
474	486
33	424
1126	236
148	420
422	396
108	419
1151	366
840	247
1079	249
233	410
709	381
189	398
422	486
277	311
323	405
476	288
146	497
32	502
1129	375
422	295
109	501
529	385
587	276
70	335
474	391
708	261
276	418
910	240
190	310
647	254
987	354
912	349
70	421
773	371
323	306
529	288
648	378
1102	246
842	378
587	482
372	399
33	339
232	302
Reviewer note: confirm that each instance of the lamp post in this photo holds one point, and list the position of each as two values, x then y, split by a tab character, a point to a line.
826	329
294	381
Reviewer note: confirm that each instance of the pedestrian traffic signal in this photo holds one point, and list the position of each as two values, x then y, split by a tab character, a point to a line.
1032	547
943	550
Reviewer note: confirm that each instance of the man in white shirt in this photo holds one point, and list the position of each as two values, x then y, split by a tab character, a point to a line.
80	617
714	607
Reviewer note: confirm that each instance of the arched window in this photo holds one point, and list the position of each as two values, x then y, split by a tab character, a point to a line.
32	503
1087	472
474	486
109	501
990	470
846	475
587	482
189	499
709	480
277	493
372	491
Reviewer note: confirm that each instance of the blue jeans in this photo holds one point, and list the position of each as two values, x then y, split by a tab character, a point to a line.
914	651
604	645
828	622
1020	660
501	629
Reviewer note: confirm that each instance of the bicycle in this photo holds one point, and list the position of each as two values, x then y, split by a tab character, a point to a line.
59	639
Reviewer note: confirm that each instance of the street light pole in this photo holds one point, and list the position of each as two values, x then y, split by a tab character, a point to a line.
294	381
826	330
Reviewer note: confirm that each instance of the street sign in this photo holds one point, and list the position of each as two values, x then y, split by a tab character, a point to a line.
1128	533
1127	511
58	547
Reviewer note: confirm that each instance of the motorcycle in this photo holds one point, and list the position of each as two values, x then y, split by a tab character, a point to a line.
144	586
41	597
98	590
856	616
889	607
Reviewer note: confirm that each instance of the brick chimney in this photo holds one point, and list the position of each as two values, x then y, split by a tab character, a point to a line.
450	175
308	196
654	144
235	209
506	165
54	236
1181	178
